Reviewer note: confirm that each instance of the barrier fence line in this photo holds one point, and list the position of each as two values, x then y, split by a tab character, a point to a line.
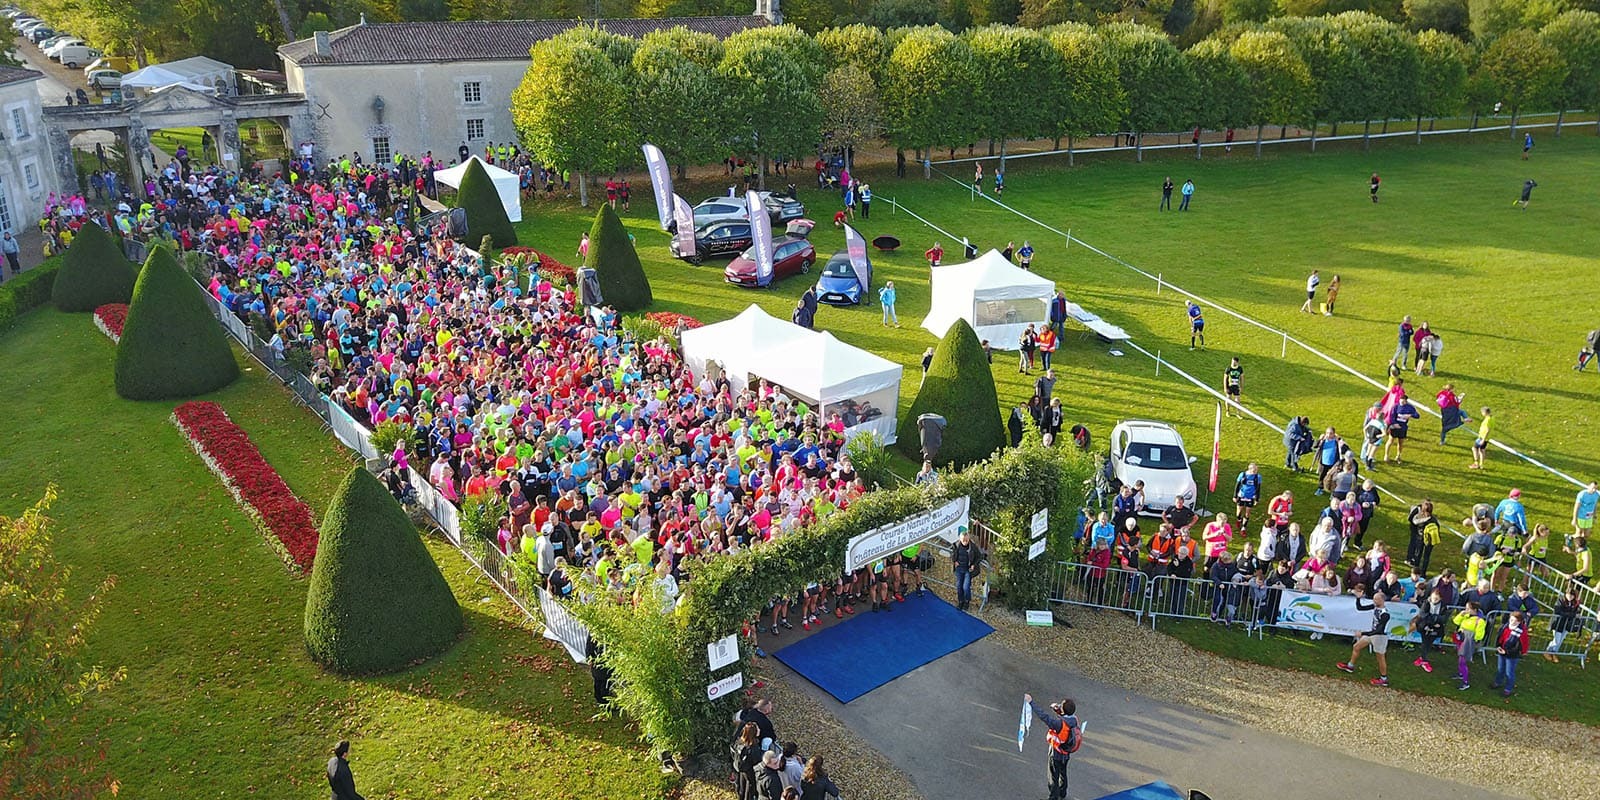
1281	140
1286	336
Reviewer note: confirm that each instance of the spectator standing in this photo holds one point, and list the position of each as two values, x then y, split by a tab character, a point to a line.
1312	282
769	777
1232	384
934	254
1566	621
1058	306
1246	493
12	251
1429	626
814	781
1583	512
747	759
1166	194
1403	350
1333	297
1188	192
1511	646
1374	188
1424	535
340	779
1197	321
1026	344
1471	628
1375	639
1527	145
1047	344
886	297
1045	387
966	558
1025	258
866	201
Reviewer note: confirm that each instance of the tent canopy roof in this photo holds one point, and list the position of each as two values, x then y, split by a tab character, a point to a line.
991	277
827	369
453	175
197	69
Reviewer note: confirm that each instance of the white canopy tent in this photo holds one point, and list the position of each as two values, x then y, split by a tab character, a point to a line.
504	182
196	71
863	388
997	298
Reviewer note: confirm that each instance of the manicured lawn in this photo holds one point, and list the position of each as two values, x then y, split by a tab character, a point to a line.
1503	287
219	692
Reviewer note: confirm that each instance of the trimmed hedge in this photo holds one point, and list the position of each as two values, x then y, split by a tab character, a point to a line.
622	280
171	345
486	215
27	291
93	272
959	387
377	601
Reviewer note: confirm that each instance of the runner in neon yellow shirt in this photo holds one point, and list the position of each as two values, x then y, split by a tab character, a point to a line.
1481	446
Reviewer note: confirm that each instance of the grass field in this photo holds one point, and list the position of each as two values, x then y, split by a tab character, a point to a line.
1506	289
220	699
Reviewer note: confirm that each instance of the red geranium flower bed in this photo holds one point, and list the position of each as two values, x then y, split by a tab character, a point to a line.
671	320
110	318
284	520
548	265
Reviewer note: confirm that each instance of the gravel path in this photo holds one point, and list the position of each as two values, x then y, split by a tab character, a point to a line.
1467	743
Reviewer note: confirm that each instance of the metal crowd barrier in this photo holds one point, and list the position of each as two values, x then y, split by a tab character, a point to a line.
1073	583
1577	643
1198	598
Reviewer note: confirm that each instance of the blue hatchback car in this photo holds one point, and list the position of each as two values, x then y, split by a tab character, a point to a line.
838	284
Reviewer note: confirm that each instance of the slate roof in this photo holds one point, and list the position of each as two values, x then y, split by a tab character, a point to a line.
480	40
14	75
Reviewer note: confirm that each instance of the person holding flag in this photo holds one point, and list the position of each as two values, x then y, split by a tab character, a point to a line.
1065	735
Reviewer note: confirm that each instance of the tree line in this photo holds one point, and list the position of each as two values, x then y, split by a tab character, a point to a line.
590	98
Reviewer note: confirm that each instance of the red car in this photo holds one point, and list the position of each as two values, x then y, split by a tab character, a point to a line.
791	255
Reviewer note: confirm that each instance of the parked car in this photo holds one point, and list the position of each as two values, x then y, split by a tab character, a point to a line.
779	208
76	55
791	255
104	79
39	33
55	41
725	238
1142	450
838	284
22	24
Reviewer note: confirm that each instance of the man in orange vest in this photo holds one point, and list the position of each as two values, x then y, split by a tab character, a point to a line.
1064	735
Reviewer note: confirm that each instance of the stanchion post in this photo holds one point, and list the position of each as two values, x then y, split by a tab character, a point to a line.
1158	362
1285	353
1158	283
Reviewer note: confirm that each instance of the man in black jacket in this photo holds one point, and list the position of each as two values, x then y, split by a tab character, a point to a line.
965	558
1375	639
339	777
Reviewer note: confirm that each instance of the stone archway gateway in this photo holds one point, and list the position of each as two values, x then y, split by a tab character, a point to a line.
176	107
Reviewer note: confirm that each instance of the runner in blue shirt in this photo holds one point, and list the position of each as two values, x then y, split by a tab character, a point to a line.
1246	492
1197	325
1510	512
1583	512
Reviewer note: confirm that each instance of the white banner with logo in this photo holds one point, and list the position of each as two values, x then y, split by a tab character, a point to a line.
856	247
683	215
1338	615
561	626
760	236
946	522
660	182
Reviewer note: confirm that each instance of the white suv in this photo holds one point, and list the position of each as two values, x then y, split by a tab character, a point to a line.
1142	450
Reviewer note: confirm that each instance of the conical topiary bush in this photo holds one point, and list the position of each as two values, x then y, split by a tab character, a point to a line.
171	345
960	388
486	215
93	272
377	602
616	264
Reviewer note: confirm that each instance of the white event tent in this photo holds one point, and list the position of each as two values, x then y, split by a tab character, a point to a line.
194	73
997	298
831	376
504	182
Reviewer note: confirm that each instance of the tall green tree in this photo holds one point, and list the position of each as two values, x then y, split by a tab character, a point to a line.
1390	56
1441	75
571	108
1089	99
1576	36
1335	67
43	643
1279	83
1240	11
1449	16
1491	19
772	76
860	45
958	386
1155	78
928	99
679	99
1221	88
1524	71
1014	68
851	113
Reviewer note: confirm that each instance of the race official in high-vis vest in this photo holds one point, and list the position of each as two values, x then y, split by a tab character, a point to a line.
1064	735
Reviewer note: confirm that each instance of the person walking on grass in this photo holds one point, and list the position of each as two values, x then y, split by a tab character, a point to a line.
1480	446
1450	414
977	177
1403	349
1197	322
1527	192
1375	639
1312	282
886	299
1527	145
1187	191
1065	735
1166	194
1374	190
1333	296
340	780
1591	343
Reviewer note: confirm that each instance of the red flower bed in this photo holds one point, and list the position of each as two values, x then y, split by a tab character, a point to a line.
283	519
671	320
548	265
110	318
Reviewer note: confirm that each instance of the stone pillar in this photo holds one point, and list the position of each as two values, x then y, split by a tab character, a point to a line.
229	151
66	169
138	150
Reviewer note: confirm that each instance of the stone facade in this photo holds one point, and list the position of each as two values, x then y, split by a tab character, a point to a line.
28	174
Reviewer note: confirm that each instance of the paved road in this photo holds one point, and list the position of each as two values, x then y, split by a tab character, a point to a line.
951	725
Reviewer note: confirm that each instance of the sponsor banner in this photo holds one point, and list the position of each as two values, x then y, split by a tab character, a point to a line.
946	522
683	215
1338	615
760	236
660	182
729	685
1037	548
856	246
561	626
722	652
1040	522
